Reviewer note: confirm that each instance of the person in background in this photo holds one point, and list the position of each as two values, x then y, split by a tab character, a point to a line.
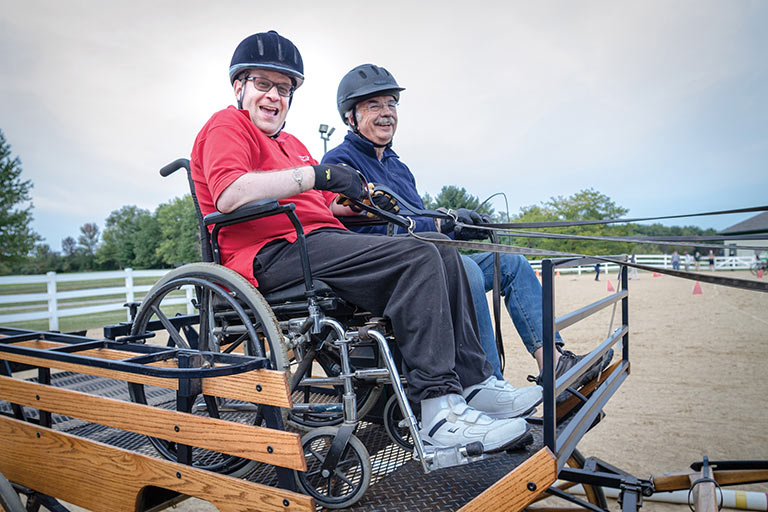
676	261
711	260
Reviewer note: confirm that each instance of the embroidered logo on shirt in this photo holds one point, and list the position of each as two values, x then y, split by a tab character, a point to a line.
328	174
304	158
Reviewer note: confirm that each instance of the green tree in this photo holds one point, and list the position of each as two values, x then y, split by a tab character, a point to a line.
451	196
587	204
177	221
17	238
118	246
88	243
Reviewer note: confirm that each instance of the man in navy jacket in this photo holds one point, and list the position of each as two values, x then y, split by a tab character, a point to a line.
367	101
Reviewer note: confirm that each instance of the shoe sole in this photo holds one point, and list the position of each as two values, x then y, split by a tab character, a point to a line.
511	444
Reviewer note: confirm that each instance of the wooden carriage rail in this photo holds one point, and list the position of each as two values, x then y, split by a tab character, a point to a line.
36	348
104	478
564	443
262	444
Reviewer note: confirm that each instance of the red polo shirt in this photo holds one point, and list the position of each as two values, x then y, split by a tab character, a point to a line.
228	146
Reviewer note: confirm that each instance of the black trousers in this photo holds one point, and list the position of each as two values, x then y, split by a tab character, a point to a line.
420	287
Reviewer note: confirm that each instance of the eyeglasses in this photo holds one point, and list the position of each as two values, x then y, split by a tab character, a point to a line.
264	85
376	107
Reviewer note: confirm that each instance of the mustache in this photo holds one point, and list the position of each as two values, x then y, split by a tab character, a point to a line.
383	120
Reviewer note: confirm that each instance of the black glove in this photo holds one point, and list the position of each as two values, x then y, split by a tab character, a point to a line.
465	216
341	179
384	201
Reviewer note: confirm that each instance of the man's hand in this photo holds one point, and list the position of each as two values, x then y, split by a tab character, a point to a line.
383	201
378	198
465	216
340	179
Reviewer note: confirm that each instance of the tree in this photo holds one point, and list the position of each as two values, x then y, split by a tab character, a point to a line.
454	197
17	238
587	204
177	221
118	247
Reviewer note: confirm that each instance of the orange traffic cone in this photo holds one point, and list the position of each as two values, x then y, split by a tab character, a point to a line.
697	289
656	274
610	287
558	273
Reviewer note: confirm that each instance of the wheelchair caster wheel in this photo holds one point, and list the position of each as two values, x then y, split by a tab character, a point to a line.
339	487
393	417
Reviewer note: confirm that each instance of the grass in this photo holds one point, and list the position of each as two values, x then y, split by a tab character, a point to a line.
93	321
10	289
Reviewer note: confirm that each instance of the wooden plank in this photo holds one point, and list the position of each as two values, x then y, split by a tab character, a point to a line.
679	481
269	387
704	495
519	487
103	478
572	401
251	442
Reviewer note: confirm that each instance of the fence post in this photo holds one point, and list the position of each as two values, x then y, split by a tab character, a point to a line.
129	291
579	269
53	314
190	296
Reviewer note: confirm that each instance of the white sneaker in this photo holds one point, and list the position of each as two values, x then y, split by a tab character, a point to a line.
499	399
448	421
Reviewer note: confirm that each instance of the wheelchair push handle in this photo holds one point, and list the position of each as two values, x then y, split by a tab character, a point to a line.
179	163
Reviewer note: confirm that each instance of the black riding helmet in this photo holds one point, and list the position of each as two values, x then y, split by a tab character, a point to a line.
363	82
270	51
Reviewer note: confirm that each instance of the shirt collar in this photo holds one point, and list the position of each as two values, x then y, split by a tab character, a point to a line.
367	146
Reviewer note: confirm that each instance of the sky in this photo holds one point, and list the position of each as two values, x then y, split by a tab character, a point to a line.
660	105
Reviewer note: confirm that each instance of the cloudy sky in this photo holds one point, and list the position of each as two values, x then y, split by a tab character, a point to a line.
663	106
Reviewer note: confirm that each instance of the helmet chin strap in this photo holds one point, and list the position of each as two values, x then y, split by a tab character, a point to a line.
356	131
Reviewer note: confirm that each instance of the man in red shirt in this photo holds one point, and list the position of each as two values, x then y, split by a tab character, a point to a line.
242	155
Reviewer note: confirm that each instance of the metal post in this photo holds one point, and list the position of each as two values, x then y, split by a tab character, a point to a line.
625	312
548	338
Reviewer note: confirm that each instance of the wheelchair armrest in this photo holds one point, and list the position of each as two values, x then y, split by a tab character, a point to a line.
360	220
249	211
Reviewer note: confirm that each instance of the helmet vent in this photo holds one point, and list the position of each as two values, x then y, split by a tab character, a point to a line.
260	44
362	74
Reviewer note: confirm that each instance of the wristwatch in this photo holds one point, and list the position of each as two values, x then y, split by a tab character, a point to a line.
298	177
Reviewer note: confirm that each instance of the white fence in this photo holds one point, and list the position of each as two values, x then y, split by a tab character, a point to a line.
132	293
52	297
665	261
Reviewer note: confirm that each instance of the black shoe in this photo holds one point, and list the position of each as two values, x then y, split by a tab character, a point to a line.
567	361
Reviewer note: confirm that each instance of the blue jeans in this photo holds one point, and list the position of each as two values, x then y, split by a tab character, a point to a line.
522	296
484	323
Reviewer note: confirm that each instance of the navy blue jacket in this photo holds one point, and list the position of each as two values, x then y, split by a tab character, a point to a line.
361	155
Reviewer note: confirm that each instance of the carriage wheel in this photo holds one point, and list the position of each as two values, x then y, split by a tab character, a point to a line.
233	317
348	481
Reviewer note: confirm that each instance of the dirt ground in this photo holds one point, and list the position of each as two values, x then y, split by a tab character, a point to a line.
697	386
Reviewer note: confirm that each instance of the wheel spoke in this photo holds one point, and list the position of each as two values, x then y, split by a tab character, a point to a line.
172	332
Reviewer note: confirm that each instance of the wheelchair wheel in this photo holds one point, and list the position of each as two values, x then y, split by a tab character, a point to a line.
219	327
9	498
348	481
392	418
327	363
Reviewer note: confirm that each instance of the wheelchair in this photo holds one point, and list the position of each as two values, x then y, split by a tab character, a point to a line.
337	359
